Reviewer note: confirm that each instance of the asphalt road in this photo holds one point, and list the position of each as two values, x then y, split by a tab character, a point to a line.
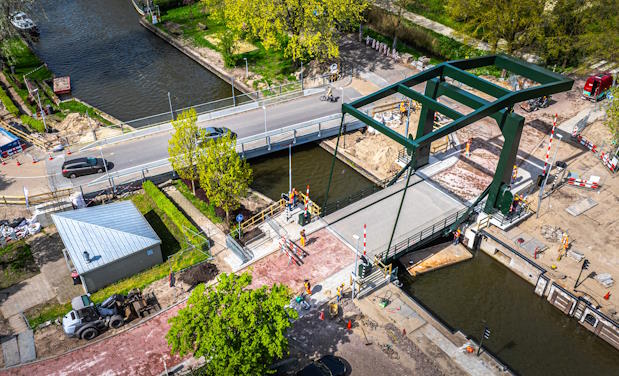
155	147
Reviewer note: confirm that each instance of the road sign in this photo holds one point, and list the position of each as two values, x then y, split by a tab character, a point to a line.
239	218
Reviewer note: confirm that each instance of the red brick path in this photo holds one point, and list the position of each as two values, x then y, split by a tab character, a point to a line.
139	351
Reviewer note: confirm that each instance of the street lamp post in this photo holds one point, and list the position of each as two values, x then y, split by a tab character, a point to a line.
264	108
246	68
301	75
36	91
170	102
355	272
233	96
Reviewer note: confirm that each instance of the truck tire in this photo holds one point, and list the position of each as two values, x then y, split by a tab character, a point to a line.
116	322
89	333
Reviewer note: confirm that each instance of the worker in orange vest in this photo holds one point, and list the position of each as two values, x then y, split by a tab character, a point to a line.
308	287
302	233
457	236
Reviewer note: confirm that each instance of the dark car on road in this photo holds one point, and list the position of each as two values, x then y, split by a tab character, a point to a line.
328	365
213	133
82	166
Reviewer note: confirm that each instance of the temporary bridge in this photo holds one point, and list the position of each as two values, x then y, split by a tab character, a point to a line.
428	213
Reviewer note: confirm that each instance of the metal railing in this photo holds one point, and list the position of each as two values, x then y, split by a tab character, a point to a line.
423	235
36	199
260	217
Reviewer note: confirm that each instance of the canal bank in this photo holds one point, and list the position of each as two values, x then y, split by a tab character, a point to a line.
117	65
527	333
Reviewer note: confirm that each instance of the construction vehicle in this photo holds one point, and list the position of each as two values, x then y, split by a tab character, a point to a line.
87	320
535	104
597	87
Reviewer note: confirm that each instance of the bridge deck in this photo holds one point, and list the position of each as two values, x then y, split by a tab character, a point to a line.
424	205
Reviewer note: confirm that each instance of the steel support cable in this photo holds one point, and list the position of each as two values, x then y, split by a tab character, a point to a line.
337	144
395	225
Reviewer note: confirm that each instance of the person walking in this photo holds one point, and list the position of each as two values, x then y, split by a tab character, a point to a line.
457	234
302	233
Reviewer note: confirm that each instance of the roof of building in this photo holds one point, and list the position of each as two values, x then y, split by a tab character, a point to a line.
107	232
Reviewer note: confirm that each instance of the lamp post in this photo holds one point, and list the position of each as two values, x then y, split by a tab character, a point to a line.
170	102
36	91
356	237
541	190
246	68
301	75
264	108
233	96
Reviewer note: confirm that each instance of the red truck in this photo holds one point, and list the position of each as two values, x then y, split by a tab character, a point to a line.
597	87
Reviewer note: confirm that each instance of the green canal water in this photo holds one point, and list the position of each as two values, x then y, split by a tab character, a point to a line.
310	165
528	334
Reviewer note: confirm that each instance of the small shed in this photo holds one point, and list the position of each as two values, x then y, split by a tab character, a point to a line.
108	243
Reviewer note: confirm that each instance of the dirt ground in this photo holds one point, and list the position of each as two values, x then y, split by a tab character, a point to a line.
310	338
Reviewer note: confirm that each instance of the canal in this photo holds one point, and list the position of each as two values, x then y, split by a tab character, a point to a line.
117	65
310	165
527	333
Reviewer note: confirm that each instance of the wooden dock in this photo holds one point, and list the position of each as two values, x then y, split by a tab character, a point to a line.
435	257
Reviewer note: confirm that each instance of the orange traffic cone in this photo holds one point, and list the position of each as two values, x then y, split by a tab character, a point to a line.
607	296
18	164
68	151
349	325
322	315
50	156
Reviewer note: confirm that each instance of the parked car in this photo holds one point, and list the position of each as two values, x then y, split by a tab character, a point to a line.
213	133
82	166
328	365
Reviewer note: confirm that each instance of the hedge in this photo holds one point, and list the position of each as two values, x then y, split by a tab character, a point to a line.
33	123
8	103
170	210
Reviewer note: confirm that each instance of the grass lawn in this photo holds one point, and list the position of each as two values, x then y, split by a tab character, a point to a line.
75	106
16	264
205	208
272	65
172	243
435	10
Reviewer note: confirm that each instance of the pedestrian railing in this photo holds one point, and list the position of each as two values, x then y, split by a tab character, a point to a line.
420	237
256	219
38	198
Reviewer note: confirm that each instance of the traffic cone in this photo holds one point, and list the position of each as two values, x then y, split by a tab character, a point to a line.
50	156
607	296
322	315
18	164
349	325
403	331
68	151
3	162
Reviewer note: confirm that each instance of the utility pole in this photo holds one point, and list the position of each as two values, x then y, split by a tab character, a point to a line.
246	68
289	168
301	75
541	189
107	173
170	102
264	108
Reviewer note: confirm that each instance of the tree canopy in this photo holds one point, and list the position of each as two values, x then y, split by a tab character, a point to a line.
612	115
184	144
301	28
238	330
224	175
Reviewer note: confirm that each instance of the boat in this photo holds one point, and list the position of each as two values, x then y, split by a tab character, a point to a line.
23	23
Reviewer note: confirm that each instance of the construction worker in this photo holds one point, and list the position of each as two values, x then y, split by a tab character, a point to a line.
295	196
402	108
308	287
457	236
468	147
302	233
339	292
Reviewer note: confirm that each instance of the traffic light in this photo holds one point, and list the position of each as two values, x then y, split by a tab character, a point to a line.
486	333
585	264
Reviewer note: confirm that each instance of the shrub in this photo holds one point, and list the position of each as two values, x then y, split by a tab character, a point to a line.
172	212
33	123
8	103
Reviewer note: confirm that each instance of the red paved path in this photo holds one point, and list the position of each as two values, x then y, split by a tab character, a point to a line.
139	350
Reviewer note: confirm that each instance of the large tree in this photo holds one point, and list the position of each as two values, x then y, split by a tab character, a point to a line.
302	28
601	36
224	175
238	331
517	22
565	24
612	115
184	144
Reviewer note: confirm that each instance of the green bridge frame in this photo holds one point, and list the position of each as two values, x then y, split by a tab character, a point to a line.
501	110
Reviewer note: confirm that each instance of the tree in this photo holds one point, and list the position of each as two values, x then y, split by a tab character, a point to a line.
238	330
565	25
402	5
184	144
224	175
300	28
517	22
601	36
612	115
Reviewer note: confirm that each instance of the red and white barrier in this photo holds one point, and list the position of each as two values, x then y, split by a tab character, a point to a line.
552	135
610	163
591	184
365	235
